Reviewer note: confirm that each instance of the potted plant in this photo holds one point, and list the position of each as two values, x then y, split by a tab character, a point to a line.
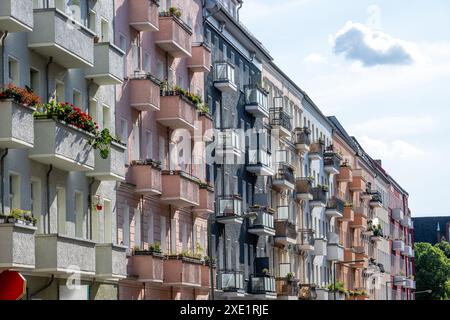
290	276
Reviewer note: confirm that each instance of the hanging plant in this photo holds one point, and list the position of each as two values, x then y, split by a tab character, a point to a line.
97	203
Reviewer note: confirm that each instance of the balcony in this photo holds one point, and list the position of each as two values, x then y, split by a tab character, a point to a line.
60	254
408	252
177	112
182	272
348	215
16	15
335	208
376	201
305	240
304	189
397	214
410	284
285	230
302	139
332	162
322	294
55	35
147	267
179	189
345	174
284	178
146	176
256	102
263	224
349	254
230	210
316	151
287	289
145	93
108	65
224	77
111	168
319	197
207	199
361	254
335	252
398	245
18	251
204	131
359	221
263	285
17	129
64	146
143	15
399	280
280	120
406	222
111	262
229	144
206	276
260	162
231	283
201	58
358	183
320	247
174	36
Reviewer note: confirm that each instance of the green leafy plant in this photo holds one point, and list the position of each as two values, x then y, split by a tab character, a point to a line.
23	215
338	288
203	108
175	11
290	276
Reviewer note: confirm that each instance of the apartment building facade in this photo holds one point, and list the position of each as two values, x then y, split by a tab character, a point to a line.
165	200
55	49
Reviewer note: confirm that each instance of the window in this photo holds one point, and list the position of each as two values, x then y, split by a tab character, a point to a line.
106	117
34	81
14	72
107	212
93	109
150	227
123	134
137	227
123	47
14	191
135	54
126	225
163	234
184	236
92	22
79	215
149	145
173	236
104	36
135	150
35	204
76	98
61	209
147	63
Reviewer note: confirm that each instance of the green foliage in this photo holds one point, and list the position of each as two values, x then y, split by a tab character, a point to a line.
23	215
338	288
445	247
432	271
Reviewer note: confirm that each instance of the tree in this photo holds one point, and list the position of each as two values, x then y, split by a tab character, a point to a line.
432	271
445	247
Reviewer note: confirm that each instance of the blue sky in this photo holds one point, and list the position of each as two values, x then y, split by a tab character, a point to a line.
383	68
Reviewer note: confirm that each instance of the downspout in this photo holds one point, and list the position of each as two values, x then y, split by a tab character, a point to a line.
237	11
44	287
3	40
90	208
48	196
142	223
47	78
2	183
88	95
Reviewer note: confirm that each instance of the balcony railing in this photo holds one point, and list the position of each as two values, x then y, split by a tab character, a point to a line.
376	200
18	248
206	202
358	183
284	177
398	245
16	15
285	230
332	162
110	261
230	281
263	224
281	120
146	176
55	35
287	287
229	143
305	240
319	197
148	267
174	36
229	209
224	76
145	93
397	214
262	285
108	65
260	162
359	221
180	189
182	272
320	246
304	189
176	112
345	174
111	168
62	145
316	151
201	58
335	208
302	139
143	15
256	101
12	135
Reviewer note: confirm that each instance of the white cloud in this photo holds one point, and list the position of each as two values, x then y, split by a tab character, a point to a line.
315	58
359	43
396	149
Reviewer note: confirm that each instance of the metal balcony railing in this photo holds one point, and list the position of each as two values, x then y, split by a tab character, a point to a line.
302	136
279	117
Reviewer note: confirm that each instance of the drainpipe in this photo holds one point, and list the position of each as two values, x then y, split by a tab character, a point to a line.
50	169
90	207
142	222
44	287
237	11
88	94
3	40
2	183
47	78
